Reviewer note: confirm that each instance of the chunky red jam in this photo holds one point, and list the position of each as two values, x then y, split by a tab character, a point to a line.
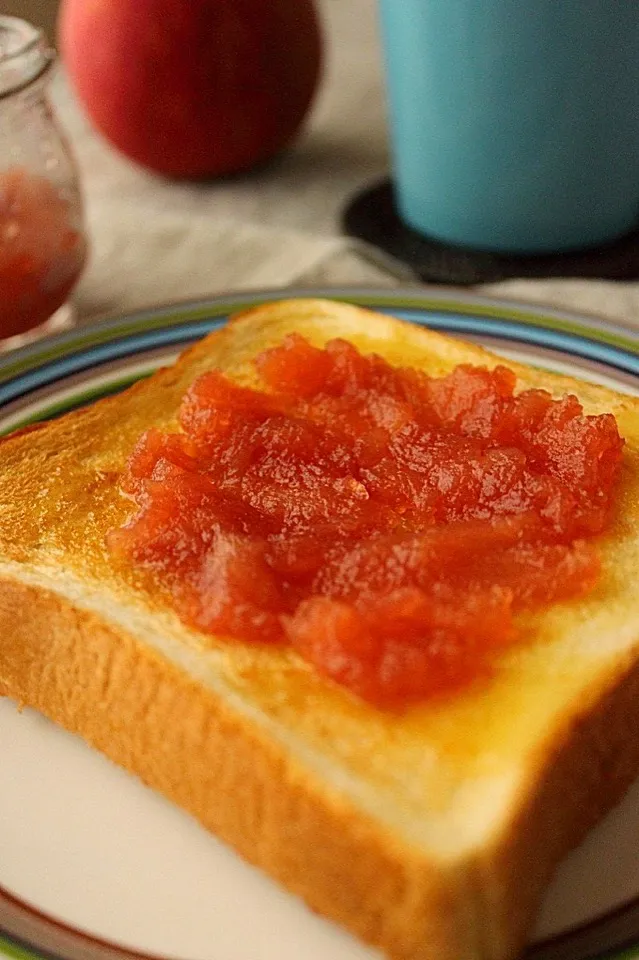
386	524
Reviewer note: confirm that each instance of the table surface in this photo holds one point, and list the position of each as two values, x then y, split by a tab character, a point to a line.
155	240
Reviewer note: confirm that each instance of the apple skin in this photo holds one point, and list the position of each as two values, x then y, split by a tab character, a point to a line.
193	88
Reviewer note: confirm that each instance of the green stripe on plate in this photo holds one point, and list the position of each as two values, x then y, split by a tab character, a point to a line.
15	952
632	953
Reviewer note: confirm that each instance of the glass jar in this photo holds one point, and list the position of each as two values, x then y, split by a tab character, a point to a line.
42	242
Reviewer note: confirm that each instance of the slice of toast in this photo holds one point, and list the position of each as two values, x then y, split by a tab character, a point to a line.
430	834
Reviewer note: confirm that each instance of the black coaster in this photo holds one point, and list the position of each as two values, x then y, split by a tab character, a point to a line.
371	217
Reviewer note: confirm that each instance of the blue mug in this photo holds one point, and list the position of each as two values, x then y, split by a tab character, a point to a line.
514	123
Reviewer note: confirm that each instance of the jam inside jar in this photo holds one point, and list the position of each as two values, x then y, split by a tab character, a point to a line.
42	241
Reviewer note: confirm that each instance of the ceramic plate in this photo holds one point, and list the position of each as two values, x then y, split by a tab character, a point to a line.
92	864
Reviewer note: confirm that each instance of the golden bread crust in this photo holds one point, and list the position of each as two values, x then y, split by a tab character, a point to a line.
179	739
154	721
581	773
492	788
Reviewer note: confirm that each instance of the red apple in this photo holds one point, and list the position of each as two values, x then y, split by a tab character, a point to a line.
193	88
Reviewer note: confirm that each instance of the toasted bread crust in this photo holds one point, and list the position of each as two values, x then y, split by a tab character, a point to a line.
58	497
582	772
150	718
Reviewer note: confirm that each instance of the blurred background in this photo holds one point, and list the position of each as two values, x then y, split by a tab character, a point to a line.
42	13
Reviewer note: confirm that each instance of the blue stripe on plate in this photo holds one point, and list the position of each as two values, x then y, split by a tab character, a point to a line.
570	343
114	350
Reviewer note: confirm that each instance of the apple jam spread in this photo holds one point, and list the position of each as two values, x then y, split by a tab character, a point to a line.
386	524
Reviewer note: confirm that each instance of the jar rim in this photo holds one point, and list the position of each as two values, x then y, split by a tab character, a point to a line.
25	55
